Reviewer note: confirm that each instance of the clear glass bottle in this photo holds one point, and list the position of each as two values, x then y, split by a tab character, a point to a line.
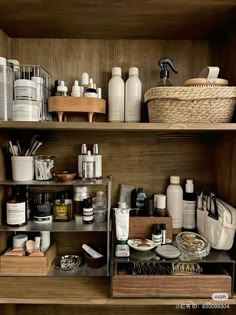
16	212
61	211
100	207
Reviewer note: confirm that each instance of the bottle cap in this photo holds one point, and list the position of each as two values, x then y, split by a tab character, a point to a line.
163	227
89	153
84	79
83	148
156	228
133	71
116	71
95	149
75	89
175	180
122	205
161	201
62	87
189	186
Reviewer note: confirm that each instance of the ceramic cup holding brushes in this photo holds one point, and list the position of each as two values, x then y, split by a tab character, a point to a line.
22	159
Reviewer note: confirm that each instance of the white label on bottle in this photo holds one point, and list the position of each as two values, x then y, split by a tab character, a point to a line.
157	238
88	169
16	213
189	214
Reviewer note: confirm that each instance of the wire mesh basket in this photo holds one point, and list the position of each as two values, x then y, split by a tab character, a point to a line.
43	80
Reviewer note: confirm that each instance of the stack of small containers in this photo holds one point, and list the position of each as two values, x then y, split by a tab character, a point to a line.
28	95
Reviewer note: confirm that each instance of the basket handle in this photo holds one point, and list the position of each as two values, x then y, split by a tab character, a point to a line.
210	73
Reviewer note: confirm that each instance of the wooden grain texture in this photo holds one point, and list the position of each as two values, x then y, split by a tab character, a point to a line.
112	19
140	159
80	291
161	128
27	266
170	285
141	227
5	45
67	58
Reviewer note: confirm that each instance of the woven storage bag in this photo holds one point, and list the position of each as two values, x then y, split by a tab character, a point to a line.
191	104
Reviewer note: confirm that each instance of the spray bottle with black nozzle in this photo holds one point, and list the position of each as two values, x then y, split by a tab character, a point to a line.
163	63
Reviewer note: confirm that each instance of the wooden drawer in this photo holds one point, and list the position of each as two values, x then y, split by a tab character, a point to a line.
170	285
26	265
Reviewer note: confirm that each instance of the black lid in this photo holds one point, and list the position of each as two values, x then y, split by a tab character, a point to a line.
156	228
163	227
149	206
140	189
88	203
66	194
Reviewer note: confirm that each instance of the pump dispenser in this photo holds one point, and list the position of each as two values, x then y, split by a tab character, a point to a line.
163	63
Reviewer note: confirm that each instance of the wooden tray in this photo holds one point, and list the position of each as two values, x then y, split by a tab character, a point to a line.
170	285
28	266
70	104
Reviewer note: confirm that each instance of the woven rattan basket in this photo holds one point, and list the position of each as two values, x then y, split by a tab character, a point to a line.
191	104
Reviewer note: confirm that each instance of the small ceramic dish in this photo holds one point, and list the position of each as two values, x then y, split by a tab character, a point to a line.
64	176
141	245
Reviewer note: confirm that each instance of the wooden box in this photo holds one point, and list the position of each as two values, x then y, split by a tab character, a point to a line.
63	105
141	227
170	285
26	265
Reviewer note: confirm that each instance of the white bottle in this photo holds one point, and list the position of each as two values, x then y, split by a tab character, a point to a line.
81	158
133	95
116	99
75	89
174	196
98	162
189	210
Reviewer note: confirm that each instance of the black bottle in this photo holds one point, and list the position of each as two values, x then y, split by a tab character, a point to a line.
16	211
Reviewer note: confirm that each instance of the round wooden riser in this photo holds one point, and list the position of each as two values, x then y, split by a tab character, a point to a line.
69	104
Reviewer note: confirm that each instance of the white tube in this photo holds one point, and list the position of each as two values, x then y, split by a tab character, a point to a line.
122	224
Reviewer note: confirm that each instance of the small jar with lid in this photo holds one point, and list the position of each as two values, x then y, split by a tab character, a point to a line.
68	201
156	234
160	206
88	211
61	210
42	209
80	194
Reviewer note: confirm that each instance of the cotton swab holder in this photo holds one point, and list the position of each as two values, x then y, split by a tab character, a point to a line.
44	165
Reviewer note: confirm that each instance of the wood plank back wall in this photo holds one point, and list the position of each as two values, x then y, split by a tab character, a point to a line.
68	58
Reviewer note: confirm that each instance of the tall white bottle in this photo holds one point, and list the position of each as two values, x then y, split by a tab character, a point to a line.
133	95
174	195
116	99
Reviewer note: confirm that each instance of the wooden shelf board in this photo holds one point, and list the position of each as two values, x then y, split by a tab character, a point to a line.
118	126
74	290
152	19
71	226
